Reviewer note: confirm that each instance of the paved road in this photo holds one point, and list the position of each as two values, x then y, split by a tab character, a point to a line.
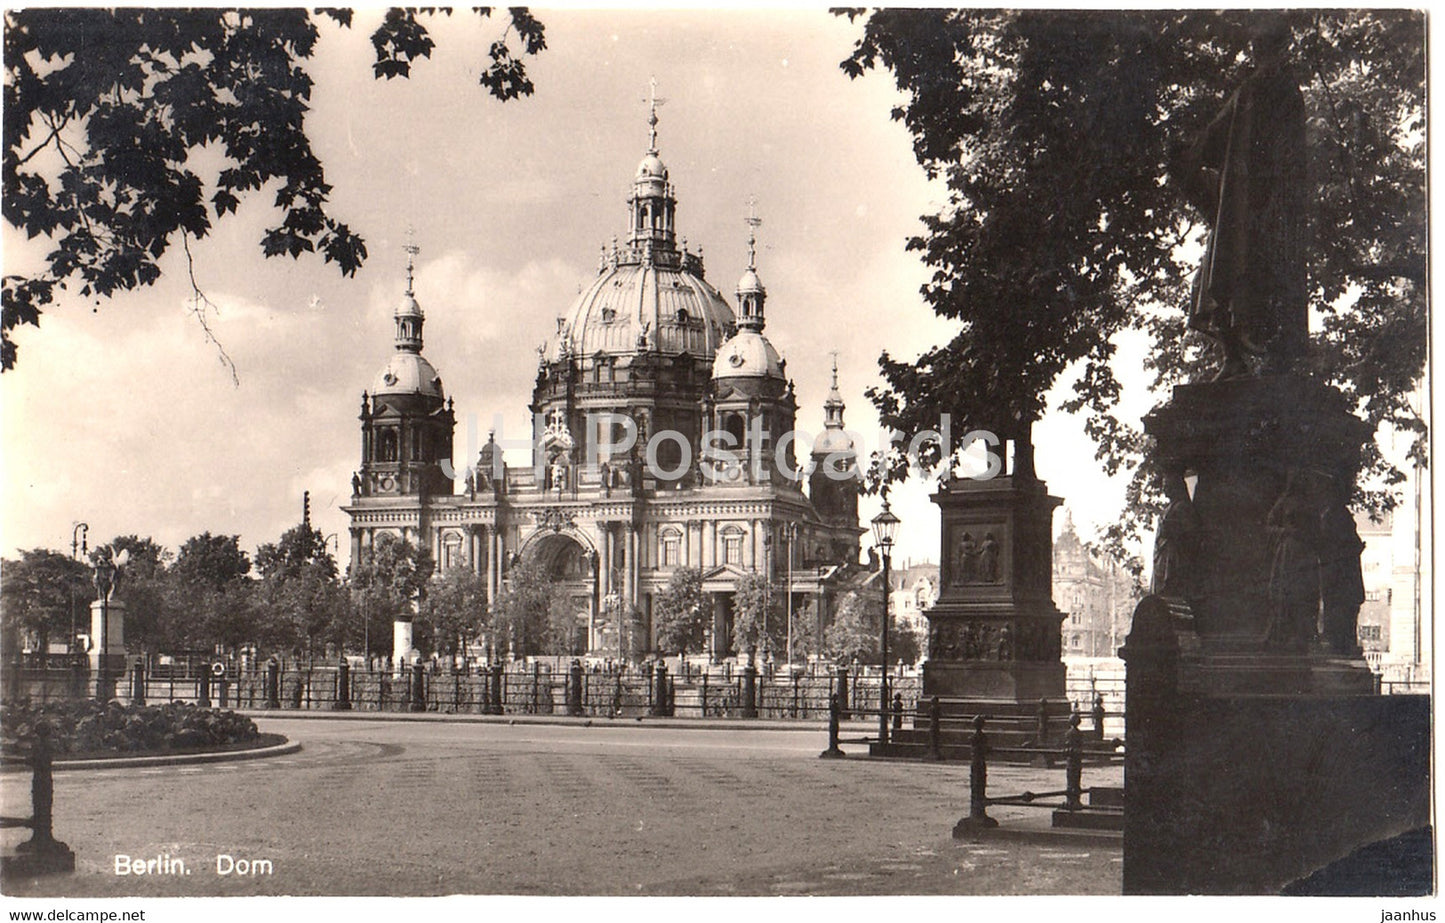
421	808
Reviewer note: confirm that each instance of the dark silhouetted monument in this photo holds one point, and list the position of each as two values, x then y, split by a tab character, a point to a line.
1258	751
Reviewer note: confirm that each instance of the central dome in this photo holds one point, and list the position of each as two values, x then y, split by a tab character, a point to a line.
645	307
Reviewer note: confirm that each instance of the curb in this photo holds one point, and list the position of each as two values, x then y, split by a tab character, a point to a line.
1046	836
693	724
179	759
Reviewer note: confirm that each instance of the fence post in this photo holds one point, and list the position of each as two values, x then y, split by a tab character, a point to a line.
977	818
935	729
297	692
496	692
659	696
343	686
418	686
796	678
138	683
703	700
1043	721
835	713
897	711
1073	765
750	691
1098	715
203	687
225	691
574	688
843	692
273	684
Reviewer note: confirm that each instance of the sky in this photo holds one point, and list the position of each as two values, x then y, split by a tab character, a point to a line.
122	416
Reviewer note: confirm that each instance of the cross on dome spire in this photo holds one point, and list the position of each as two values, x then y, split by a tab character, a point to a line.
753	223
411	251
653	101
834	354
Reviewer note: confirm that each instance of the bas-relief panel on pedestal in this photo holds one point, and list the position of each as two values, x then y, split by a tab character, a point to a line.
976	555
1016	640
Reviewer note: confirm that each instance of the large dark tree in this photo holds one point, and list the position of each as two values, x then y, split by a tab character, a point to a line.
107	110
1054	133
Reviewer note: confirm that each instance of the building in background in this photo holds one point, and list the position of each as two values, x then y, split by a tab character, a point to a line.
651	346
1096	595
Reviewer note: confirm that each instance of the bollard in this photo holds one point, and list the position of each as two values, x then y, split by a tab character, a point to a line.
935	729
750	691
897	712
42	854
418	686
977	818
225	691
495	703
297	691
574	688
203	688
835	710
343	686
1043	722
659	696
1073	765
273	684
138	683
843	692
1098	715
703	700
671	697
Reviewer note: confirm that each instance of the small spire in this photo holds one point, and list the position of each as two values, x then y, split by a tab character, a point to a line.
306	508
411	251
753	223
834	354
653	101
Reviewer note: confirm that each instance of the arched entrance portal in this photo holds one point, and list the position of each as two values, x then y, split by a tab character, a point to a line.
567	564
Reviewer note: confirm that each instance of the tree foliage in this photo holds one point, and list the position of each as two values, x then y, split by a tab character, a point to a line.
756	622
678	613
532	614
42	594
455	609
129	129
393	573
1054	133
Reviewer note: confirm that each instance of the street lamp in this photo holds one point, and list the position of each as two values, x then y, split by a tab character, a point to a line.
792	533
78	551
885	524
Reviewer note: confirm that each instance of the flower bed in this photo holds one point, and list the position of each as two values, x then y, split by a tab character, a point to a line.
85	728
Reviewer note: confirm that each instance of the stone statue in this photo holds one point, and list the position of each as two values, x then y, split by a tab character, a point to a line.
1342	584
1294	576
355	484
1247	174
966	563
1177	541
988	559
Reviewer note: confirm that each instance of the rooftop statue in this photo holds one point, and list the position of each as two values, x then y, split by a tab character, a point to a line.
1247	174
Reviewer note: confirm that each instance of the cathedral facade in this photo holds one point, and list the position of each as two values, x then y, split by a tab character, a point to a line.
663	439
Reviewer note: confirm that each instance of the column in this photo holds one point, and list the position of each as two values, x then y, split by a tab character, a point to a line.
686	557
605	561
748	557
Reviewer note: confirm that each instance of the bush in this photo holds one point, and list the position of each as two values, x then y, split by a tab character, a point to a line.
85	726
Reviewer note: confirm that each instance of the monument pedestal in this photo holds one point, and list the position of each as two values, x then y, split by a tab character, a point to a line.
993	635
107	650
1257	749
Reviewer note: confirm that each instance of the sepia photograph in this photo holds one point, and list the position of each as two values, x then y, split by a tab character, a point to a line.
535	453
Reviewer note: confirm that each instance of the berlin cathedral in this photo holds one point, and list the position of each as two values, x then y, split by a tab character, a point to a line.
652	341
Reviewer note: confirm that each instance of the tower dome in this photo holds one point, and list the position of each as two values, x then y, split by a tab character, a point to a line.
649	294
406	371
748	354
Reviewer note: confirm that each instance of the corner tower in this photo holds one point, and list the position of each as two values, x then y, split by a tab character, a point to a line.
406	419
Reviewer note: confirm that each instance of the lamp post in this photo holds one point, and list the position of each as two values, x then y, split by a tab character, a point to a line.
78	551
885	524
792	533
